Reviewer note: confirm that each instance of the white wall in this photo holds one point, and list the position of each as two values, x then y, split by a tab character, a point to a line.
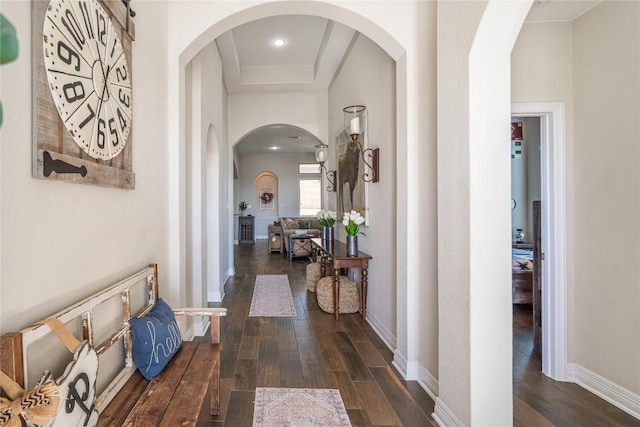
61	242
249	111
207	167
541	71
453	215
592	66
376	91
428	197
607	192
475	40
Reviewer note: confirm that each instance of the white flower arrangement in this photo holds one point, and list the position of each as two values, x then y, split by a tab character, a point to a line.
327	218
352	222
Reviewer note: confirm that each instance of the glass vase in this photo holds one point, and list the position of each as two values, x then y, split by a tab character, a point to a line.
352	245
327	233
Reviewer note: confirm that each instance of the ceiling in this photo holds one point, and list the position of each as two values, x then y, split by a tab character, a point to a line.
277	138
312	54
559	10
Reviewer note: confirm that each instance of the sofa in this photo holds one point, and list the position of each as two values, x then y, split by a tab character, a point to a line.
299	225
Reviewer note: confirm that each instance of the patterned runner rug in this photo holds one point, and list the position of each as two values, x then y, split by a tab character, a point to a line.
272	297
303	407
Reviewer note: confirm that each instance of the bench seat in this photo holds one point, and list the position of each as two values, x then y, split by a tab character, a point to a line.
124	398
173	398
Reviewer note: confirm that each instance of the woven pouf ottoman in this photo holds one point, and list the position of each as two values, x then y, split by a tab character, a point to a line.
349	298
313	275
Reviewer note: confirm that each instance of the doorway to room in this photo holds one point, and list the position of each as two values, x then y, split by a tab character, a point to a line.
525	237
552	316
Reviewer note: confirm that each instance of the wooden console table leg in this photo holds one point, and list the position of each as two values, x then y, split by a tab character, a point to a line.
363	288
336	292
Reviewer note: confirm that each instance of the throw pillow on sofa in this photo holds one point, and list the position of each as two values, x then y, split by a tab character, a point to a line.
156	338
290	223
303	225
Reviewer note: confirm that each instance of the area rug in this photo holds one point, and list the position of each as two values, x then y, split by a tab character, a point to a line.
272	297
302	407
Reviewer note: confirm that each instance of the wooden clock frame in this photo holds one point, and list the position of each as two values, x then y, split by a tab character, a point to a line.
55	154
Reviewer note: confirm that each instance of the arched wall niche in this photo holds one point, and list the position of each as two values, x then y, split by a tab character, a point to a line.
266	182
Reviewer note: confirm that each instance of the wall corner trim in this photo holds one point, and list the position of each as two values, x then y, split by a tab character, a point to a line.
444	416
605	389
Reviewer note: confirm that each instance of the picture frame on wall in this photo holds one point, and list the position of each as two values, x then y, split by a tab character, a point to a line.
351	189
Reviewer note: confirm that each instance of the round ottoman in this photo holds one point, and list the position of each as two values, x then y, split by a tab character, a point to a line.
313	275
349	298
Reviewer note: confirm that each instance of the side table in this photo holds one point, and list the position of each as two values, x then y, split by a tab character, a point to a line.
276	243
300	245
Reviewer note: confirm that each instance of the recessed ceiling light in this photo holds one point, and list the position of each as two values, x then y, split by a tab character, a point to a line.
279	42
274	148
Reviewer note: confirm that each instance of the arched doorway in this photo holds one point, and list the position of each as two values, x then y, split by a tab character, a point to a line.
406	343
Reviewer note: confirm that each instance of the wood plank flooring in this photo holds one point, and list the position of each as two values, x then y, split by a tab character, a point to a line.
310	350
313	350
540	401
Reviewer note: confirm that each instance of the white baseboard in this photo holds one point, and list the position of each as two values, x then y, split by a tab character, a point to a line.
400	363
218	296
230	273
408	370
613	393
262	236
235	242
385	334
444	416
428	382
215	296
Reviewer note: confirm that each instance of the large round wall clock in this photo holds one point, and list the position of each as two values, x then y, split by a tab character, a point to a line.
88	76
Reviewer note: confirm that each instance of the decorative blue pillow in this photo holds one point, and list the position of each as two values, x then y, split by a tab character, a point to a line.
156	338
303	225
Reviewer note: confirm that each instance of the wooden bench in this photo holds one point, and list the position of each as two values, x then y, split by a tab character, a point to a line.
124	397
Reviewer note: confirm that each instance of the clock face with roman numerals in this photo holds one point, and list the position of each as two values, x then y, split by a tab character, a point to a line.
88	76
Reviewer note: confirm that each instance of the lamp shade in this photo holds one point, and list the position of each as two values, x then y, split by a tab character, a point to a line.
354	119
322	153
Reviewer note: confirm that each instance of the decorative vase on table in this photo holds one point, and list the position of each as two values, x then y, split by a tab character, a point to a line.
352	222
327	233
327	219
352	245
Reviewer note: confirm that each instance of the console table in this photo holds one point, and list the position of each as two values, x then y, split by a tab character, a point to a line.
336	252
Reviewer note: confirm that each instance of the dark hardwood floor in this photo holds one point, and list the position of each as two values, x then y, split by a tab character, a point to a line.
540	401
313	350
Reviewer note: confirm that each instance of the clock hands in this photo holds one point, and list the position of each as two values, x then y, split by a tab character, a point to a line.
59	166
